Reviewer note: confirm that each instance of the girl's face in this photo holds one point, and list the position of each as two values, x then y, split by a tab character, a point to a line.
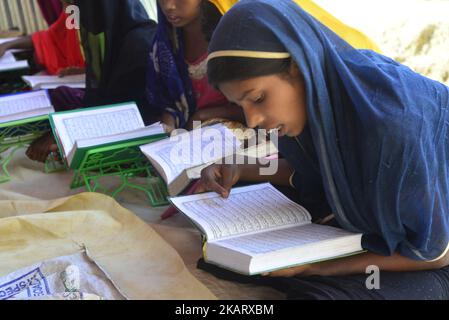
270	102
180	13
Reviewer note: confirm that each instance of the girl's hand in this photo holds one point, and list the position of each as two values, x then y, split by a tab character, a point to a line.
219	178
168	122
42	147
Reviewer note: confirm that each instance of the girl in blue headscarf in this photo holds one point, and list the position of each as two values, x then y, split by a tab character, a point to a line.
364	138
177	78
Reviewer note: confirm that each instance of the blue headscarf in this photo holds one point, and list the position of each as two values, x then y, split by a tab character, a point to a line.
379	129
169	87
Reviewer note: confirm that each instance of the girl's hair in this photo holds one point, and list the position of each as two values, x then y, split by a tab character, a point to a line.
226	69
233	68
210	17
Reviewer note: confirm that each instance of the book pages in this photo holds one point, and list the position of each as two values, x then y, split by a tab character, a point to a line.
24	105
247	210
95	122
191	149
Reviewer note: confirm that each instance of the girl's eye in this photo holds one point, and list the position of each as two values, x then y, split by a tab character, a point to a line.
260	99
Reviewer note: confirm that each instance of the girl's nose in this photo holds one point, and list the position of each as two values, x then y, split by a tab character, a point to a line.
253	117
168	4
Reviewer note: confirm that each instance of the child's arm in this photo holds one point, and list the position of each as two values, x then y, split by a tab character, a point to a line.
42	147
21	43
228	111
358	265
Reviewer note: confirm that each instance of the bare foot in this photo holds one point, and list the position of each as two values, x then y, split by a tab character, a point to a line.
42	147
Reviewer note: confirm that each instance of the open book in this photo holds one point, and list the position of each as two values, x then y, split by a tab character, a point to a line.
37	82
180	159
257	229
9	63
24	105
79	130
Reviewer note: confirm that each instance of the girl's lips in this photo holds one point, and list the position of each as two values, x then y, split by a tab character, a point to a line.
274	130
279	130
173	19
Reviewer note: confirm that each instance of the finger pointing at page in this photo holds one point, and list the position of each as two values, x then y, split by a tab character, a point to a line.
209	180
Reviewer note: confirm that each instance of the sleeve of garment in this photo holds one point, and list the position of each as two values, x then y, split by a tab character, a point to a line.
58	47
420	194
163	87
158	94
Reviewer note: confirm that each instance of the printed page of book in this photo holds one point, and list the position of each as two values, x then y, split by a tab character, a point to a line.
248	210
75	85
191	149
283	248
154	129
284	238
51	82
96	122
23	64
24	105
8	57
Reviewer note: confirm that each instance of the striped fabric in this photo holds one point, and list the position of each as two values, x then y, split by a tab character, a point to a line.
23	15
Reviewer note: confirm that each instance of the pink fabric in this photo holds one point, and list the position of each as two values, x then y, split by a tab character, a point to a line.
206	95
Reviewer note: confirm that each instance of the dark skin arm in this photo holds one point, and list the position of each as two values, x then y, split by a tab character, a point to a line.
227	111
21	43
358	264
27	44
